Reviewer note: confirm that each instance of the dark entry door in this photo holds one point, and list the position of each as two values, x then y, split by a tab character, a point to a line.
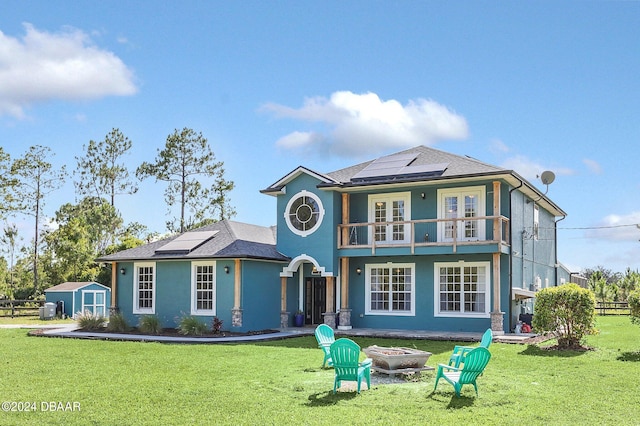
315	300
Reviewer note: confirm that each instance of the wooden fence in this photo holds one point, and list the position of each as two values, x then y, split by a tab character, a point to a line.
20	308
612	308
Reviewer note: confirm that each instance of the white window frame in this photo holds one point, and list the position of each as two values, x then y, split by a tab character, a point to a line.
390	311
389	198
94	305
136	294
536	222
461	314
461	193
194	289
287	219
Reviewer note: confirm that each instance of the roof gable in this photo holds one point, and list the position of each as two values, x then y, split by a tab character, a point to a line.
277	187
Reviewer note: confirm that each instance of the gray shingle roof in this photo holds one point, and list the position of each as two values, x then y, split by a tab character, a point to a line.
457	165
233	240
71	286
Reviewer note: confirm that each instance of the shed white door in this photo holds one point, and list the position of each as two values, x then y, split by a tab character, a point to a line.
94	301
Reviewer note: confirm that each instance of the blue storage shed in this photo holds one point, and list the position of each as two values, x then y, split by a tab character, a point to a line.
77	297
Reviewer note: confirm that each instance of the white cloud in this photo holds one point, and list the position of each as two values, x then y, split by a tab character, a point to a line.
617	228
531	170
497	146
593	166
353	122
44	66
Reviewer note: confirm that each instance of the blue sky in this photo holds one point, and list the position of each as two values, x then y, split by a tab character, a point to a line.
530	86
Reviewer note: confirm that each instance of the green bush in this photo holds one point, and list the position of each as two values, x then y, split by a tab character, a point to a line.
117	323
191	326
150	324
567	310
634	306
90	322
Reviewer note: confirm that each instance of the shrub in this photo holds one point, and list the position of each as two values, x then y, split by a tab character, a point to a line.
216	325
634	306
118	323
567	310
191	326
89	321
150	324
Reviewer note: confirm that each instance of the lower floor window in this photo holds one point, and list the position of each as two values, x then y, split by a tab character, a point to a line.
461	289
390	289
203	287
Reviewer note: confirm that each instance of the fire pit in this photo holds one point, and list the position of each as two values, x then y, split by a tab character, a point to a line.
397	360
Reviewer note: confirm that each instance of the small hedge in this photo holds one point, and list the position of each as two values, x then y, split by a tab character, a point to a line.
568	311
191	326
150	324
88	321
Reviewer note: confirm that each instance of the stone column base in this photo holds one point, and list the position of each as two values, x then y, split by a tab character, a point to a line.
236	317
284	319
345	319
497	321
330	319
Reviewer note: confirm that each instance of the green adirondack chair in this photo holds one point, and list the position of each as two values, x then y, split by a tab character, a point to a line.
474	364
459	352
345	354
325	338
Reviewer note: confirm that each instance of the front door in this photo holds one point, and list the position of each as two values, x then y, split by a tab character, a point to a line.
315	300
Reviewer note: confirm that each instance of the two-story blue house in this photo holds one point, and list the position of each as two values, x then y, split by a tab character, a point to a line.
421	239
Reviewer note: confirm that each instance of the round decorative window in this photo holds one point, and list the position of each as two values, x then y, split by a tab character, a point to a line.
304	213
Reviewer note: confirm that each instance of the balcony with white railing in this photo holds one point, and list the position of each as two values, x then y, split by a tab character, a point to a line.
450	234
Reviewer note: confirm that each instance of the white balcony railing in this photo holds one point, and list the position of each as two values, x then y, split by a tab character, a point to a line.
424	233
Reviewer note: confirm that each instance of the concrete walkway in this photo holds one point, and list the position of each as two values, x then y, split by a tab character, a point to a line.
70	331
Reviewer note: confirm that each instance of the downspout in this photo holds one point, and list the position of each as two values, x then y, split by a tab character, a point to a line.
555	249
511	254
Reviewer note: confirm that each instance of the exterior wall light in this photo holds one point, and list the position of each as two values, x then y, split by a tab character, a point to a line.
358	270
226	269
123	271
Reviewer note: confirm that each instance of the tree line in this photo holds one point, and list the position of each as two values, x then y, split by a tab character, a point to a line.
93	226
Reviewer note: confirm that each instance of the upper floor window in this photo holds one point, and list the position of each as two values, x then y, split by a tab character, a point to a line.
304	213
461	289
536	222
203	288
144	288
390	289
390	211
463	205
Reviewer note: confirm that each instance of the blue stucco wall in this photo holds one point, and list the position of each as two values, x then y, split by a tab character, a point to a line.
320	244
260	294
424	311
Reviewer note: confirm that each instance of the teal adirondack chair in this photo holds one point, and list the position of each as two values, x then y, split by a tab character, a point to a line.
474	364
459	352
325	338
345	354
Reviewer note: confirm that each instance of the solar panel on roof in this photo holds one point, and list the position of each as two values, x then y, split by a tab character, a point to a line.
397	166
186	242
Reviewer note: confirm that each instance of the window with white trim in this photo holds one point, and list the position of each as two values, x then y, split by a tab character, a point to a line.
390	210
461	289
463	204
144	288
94	301
536	222
203	288
304	213
390	289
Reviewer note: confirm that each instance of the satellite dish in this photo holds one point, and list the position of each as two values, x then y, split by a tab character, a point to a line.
547	177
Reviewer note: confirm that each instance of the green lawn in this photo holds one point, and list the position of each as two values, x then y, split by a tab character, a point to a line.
281	382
